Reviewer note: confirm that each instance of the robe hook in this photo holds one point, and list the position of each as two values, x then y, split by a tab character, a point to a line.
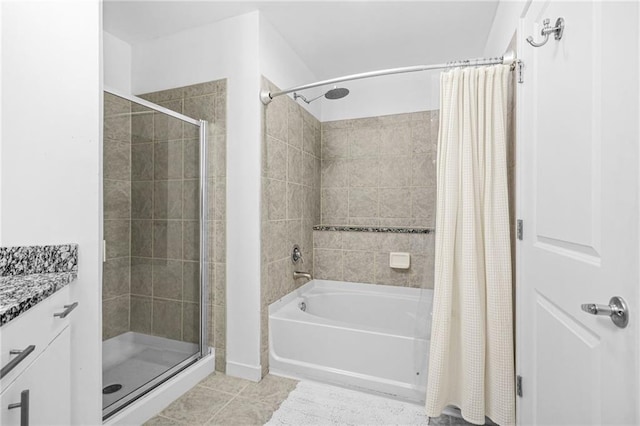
557	30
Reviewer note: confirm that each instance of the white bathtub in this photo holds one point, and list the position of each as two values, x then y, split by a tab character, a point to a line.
368	337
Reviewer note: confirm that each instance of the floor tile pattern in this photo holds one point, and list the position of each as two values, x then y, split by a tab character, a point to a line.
230	401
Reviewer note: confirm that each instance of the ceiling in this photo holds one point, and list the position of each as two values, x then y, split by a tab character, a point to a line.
332	37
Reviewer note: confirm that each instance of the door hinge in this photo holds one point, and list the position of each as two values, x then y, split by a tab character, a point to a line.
519	386
519	229
520	71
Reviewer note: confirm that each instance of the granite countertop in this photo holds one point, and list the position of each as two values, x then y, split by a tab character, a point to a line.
28	275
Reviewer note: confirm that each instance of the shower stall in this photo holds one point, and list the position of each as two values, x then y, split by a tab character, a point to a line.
155	286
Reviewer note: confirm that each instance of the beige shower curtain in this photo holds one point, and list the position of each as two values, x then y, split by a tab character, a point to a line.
471	355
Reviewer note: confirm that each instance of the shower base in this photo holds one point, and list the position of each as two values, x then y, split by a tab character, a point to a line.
133	359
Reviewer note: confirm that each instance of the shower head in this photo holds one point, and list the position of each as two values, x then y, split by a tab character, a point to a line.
335	93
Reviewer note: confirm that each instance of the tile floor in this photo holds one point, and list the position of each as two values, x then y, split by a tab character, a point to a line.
225	400
229	401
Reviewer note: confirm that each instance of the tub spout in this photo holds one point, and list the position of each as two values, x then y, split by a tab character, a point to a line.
298	274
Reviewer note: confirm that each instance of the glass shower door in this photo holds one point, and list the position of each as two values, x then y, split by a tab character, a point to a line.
153	282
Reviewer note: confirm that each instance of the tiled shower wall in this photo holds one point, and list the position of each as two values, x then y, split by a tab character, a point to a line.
165	232
117	216
378	171
151	202
290	199
363	257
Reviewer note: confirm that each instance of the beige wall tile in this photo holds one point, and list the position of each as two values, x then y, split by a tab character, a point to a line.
294	165
358	266
142	125
190	322
116	277
167	239
191	281
395	172
327	239
363	202
191	157
114	105
360	240
364	172
191	240
294	201
115	316
201	107
142	162
167	279
276	198
167	160
141	238
167	199
141	314
334	172
141	276
118	127
117	196
191	199
220	284
294	125
327	264
165	127
117	234
423	170
335	202
142	199
275	159
364	142
167	318
220	207
117	160
395	202
335	143
387	275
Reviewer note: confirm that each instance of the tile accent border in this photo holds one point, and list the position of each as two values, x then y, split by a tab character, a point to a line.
384	229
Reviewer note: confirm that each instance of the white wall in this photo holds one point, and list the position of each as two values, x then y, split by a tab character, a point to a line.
391	94
282	66
504	26
117	63
227	49
51	159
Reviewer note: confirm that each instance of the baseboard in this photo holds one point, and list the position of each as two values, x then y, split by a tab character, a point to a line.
157	400
244	371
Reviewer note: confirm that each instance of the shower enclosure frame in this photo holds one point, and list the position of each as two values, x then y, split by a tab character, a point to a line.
204	249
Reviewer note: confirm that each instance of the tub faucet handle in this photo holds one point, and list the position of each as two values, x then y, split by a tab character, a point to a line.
296	255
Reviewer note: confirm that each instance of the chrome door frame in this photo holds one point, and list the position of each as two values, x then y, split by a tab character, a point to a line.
204	250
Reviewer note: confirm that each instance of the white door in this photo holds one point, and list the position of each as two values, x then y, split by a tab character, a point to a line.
578	193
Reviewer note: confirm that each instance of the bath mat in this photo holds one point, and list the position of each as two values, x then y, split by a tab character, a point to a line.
313	403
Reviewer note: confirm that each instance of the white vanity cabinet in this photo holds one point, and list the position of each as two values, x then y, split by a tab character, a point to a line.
38	386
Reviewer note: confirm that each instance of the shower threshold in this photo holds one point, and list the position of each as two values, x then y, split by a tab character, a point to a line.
132	360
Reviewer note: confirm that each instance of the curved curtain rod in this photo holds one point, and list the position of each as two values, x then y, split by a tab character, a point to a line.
507	59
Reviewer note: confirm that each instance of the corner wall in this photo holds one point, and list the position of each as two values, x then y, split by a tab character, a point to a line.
50	166
226	49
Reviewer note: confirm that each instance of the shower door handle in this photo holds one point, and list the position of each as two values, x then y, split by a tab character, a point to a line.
617	310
